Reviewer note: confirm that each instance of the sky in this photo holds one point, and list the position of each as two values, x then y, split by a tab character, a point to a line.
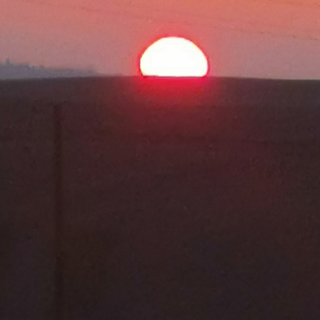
242	38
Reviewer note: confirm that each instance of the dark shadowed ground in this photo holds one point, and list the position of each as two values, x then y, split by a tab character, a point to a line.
183	199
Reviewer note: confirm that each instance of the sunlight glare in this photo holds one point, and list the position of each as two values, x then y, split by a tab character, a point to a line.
174	57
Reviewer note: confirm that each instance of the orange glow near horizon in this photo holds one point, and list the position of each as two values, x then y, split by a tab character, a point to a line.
249	38
174	57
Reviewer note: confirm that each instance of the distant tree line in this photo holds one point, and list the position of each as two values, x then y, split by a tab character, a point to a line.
10	70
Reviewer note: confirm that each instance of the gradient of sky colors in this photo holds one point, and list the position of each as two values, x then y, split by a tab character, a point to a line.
249	38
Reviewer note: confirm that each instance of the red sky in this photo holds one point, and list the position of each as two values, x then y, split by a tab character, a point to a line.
257	38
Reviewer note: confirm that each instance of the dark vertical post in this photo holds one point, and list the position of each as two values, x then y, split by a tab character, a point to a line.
58	212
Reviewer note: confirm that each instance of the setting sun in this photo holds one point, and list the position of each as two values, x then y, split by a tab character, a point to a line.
174	57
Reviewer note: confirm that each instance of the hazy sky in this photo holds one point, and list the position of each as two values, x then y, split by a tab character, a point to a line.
250	38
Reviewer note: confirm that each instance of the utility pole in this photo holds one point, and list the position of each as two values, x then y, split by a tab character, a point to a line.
58	212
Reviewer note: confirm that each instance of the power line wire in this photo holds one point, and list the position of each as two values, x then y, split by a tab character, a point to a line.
140	16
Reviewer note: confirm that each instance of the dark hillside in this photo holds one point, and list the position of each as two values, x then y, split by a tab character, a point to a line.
183	199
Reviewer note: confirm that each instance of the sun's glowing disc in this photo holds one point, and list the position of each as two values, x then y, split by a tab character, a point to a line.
174	57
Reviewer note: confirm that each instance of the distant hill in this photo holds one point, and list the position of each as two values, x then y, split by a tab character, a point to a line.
168	198
9	70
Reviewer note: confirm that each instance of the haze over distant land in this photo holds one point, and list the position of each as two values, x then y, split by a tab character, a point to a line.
242	38
9	70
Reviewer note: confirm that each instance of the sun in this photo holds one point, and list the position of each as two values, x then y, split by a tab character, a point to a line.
174	57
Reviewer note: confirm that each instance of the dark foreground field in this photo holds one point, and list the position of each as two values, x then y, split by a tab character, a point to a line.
194	199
